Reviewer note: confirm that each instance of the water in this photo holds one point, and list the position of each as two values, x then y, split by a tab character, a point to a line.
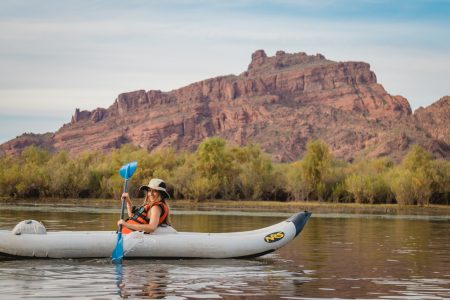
335	257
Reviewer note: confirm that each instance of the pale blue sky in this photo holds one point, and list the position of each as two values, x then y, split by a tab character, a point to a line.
56	56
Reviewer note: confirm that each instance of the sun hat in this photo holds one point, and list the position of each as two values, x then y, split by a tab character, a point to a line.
156	184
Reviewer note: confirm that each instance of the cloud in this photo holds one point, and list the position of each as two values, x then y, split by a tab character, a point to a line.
62	55
27	123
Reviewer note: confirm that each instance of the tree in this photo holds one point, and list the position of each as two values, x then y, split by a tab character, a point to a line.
32	176
35	155
366	188
401	184
417	167
10	180
416	159
411	184
212	156
201	188
441	181
366	181
296	183
356	185
254	172
181	178
213	160
316	164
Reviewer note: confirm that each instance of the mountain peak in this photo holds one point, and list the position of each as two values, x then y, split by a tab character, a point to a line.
263	63
280	103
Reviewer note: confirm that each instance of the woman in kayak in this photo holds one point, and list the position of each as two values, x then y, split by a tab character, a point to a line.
152	213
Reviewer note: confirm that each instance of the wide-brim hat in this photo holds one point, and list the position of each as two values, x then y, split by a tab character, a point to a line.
156	184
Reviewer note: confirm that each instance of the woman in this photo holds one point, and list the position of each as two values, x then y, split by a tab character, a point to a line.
152	213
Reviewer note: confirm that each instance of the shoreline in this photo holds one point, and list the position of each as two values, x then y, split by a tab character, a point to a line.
250	206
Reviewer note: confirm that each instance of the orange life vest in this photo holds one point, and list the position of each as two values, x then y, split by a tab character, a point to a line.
141	216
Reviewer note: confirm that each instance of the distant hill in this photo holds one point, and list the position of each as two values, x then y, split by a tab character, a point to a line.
279	102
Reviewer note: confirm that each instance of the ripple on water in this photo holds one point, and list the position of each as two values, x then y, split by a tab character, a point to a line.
196	279
417	288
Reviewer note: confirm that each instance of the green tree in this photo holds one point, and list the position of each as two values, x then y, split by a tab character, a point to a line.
35	155
356	185
441	181
181	177
254	172
201	188
66	177
340	193
366	182
213	160
316	163
418	167
10	180
401	184
279	183
33	176
366	188
297	185
416	159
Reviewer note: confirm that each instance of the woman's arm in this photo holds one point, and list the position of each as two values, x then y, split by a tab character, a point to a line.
155	213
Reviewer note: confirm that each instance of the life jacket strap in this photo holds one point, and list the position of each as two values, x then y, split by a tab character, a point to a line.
140	215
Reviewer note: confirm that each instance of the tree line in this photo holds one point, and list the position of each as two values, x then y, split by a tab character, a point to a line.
217	170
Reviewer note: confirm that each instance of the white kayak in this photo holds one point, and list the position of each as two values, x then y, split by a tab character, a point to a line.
30	239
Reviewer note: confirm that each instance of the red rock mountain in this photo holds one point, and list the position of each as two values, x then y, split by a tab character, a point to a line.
280	102
436	119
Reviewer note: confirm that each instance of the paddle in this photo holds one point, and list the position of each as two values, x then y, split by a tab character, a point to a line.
125	172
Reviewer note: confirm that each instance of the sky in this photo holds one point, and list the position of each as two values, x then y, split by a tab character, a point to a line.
56	56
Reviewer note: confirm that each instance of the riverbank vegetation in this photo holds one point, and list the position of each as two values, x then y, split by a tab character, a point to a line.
220	171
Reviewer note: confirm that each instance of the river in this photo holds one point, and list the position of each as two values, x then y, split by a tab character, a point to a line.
337	256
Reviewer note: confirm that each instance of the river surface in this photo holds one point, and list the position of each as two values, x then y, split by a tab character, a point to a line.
337	256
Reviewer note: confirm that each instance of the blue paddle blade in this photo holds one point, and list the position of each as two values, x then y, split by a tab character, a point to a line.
117	254
128	170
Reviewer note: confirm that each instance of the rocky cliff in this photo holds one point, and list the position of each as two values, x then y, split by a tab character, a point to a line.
279	102
435	119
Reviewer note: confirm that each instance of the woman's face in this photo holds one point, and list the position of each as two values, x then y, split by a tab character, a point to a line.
153	195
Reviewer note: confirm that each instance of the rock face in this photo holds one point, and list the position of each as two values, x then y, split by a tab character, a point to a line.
280	103
435	119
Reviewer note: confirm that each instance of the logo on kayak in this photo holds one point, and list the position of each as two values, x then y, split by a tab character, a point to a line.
274	237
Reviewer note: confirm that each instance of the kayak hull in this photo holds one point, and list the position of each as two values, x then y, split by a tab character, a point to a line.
165	242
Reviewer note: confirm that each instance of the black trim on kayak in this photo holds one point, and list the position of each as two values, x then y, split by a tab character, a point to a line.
299	220
255	255
206	258
6	256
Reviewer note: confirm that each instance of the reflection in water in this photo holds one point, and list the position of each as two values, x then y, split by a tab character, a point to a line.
193	279
333	258
143	279
118	268
205	279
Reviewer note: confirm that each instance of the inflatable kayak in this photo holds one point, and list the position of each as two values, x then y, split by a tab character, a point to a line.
30	239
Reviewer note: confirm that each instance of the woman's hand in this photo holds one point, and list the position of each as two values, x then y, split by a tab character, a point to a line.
121	222
126	197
